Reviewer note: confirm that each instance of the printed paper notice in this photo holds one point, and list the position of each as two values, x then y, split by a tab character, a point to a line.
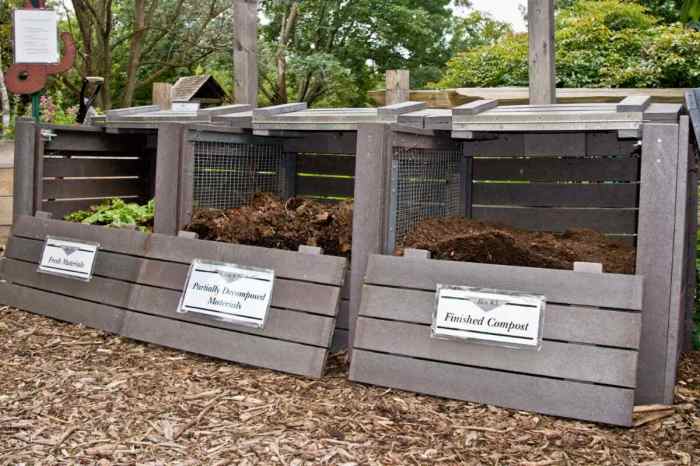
36	36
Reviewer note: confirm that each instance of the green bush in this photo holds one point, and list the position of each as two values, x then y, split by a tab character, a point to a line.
608	43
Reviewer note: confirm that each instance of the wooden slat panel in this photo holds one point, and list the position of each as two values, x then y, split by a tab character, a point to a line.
61	188
326	142
327	187
558	169
623	195
288	294
79	167
81	142
564	323
287	264
560	286
556	397
326	164
558	220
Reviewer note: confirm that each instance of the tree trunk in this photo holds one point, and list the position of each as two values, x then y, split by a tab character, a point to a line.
281	57
4	102
135	49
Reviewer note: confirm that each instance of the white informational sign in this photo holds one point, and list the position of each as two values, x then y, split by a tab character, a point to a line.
68	258
229	292
185	107
504	318
36	36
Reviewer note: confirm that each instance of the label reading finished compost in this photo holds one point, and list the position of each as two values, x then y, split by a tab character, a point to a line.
229	292
496	317
68	258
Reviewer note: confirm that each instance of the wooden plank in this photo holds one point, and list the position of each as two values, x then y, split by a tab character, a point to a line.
558	169
91	167
343	165
566	144
247	349
397	86
162	95
595	364
634	103
541	52
287	264
319	186
561	219
86	188
275	110
186	179
170	137
474	108
576	324
548	396
657	207
391	112
26	135
325	142
75	142
245	73
557	195
560	286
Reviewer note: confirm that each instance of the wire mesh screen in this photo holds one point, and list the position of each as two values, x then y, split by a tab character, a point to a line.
226	175
426	183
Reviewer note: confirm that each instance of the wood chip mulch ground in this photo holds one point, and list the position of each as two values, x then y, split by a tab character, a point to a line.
70	395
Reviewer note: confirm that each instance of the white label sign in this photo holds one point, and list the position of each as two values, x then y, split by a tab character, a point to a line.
185	107
228	292
490	316
36	36
68	258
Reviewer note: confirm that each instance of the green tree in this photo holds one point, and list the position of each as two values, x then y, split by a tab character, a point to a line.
607	43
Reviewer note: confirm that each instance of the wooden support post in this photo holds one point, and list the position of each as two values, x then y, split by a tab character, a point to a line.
162	95
657	218
540	15
398	86
245	60
167	176
26	139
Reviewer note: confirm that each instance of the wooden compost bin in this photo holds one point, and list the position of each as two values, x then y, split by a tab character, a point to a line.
621	169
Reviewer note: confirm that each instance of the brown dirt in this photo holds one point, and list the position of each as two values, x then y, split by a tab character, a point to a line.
75	396
271	222
461	239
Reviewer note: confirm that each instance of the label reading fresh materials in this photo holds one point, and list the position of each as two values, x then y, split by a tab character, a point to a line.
504	318
68	258
229	292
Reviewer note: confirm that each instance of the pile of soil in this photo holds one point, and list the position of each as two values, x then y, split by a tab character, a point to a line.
271	222
461	239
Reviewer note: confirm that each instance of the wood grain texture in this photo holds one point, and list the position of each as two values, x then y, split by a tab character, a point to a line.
620	195
91	188
558	169
541	52
167	182
26	134
91	167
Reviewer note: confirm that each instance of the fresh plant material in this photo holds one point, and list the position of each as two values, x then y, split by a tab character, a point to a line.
272	222
117	213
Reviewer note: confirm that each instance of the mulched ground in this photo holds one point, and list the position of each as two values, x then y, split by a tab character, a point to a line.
461	239
70	395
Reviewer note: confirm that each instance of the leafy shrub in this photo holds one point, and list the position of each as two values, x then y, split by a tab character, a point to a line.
117	213
608	43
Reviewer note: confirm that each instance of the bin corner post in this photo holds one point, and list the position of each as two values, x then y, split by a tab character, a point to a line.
168	179
26	140
657	216
372	168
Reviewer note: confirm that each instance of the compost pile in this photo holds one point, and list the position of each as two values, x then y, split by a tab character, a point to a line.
461	239
272	222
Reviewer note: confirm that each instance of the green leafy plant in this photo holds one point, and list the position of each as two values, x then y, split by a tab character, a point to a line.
117	213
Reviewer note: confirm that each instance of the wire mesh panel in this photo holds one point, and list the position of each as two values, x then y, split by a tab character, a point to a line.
226	175
426	183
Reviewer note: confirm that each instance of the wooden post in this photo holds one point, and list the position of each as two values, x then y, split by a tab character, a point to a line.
397	86
170	137
245	62
542	67
162	95
26	135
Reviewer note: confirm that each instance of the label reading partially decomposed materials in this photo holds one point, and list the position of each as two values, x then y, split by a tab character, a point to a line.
229	292
68	258
497	317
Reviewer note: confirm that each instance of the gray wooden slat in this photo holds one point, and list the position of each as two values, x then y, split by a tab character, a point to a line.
624	195
170	137
94	167
70	189
564	323
558	169
247	349
607	144
560	219
476	107
657	207
287	264
110	239
271	112
550	144
548	396
73	142
324	142
609	366
343	165
323	186
26	138
391	112
560	286
634	103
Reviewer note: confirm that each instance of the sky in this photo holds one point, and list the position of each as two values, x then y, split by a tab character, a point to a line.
503	10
